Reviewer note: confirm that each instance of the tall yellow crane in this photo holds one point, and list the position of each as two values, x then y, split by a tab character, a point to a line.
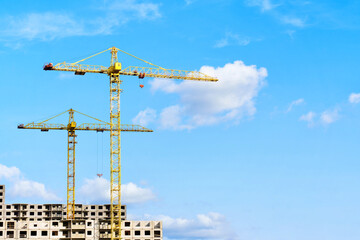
114	71
71	127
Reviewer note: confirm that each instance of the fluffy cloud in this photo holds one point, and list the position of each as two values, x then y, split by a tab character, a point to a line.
48	26
329	116
43	26
207	103
135	194
27	188
278	13
95	190
294	21
21	187
98	190
354	98
204	226
309	118
265	5
171	118
188	2
145	117
142	10
9	173
295	103
232	39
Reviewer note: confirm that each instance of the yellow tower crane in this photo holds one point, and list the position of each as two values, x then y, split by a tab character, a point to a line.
114	71
71	127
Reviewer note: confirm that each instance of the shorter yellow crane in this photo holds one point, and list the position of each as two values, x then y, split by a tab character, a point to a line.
71	127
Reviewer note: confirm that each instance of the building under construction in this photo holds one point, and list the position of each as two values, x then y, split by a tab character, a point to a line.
48	221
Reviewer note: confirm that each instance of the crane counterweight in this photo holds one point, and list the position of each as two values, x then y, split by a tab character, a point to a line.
48	66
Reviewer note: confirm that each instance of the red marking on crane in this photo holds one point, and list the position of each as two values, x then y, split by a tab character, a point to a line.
141	75
48	66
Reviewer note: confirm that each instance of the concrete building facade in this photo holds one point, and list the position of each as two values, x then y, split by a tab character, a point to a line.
48	221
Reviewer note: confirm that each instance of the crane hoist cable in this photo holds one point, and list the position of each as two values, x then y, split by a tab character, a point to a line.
99	173
97	153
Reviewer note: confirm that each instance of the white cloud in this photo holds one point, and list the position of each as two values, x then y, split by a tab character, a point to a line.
290	33
354	98
309	118
9	173
145	117
141	10
43	26
329	116
207	103
281	15
135	194
232	39
295	103
204	226
188	2
21	187
171	118
47	26
294	21
27	188
14	45
98	190
265	5
95	190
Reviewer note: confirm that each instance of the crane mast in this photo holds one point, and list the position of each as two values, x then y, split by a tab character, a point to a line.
114	72
115	148
70	204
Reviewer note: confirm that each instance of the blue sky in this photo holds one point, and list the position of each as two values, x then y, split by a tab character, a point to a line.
270	152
